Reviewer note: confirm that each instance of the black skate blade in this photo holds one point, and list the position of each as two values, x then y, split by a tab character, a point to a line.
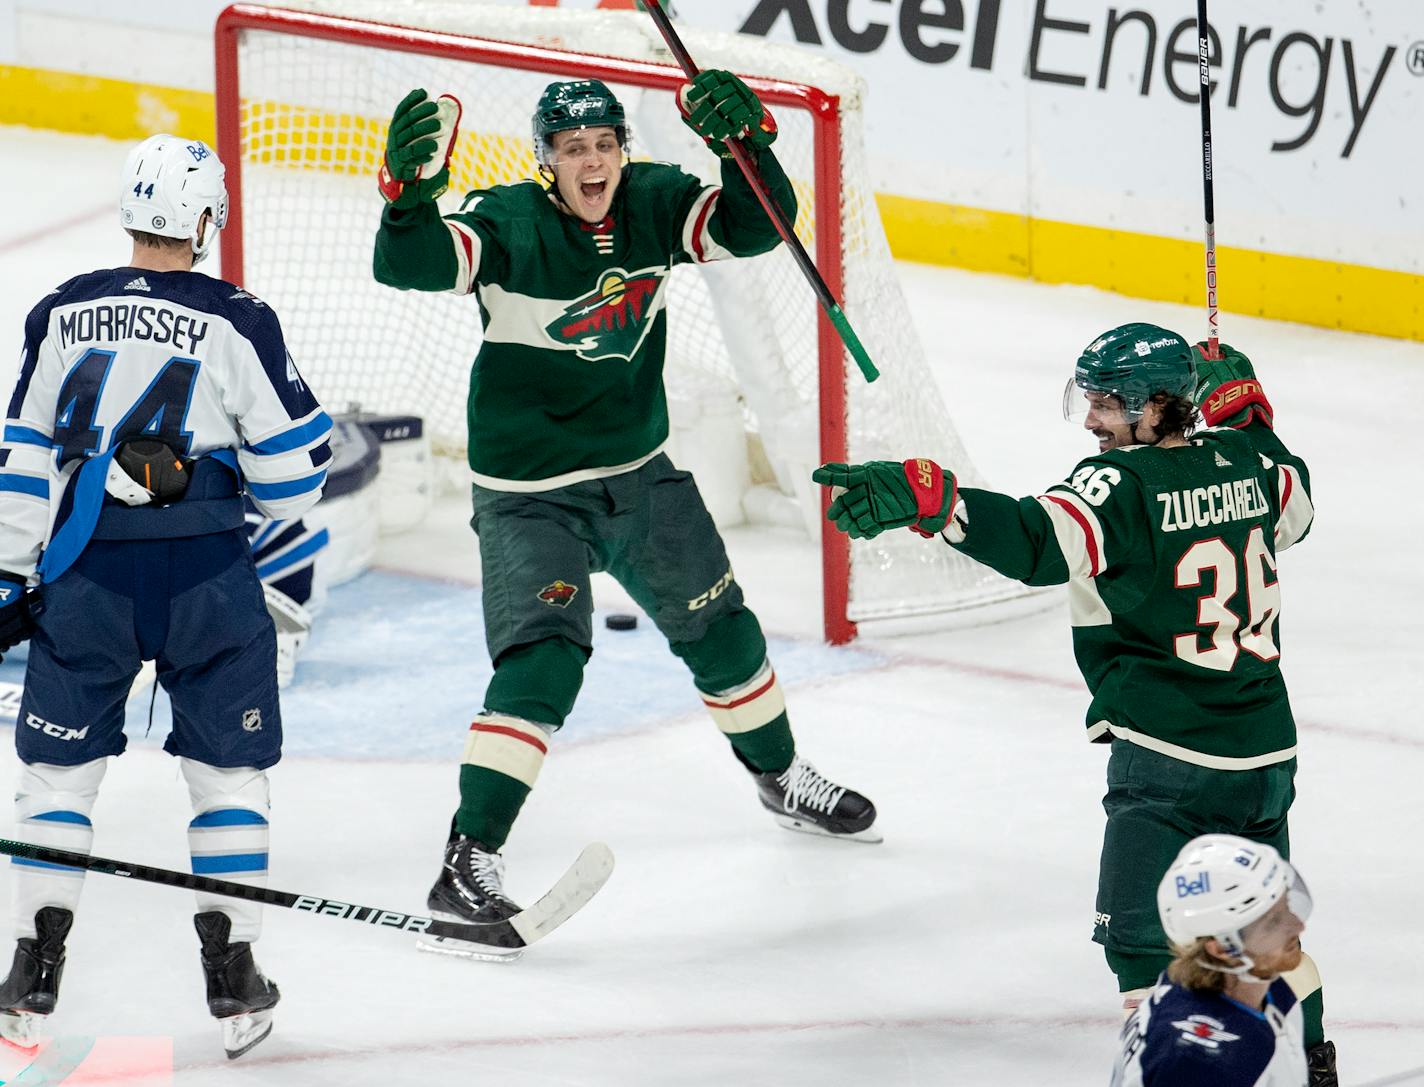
869	836
241	1033
469	949
585	877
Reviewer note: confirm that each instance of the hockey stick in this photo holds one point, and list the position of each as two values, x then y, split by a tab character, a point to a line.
773	210
569	895
1213	318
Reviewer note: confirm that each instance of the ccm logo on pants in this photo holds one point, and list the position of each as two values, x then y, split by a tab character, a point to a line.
59	732
703	599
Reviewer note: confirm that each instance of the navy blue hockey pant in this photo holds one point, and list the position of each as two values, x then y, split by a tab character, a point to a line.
194	606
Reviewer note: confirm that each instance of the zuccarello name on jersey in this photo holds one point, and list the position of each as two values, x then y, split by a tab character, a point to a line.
1121	41
1201	507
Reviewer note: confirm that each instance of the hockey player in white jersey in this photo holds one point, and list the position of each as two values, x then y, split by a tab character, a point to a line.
1221	1014
150	399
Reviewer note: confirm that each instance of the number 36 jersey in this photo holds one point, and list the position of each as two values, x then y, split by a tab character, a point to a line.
1170	557
122	353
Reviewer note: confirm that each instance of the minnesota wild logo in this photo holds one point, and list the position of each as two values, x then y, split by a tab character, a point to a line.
558	595
612	320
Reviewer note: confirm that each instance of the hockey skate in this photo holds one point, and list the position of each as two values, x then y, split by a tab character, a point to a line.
238	995
799	798
31	991
470	888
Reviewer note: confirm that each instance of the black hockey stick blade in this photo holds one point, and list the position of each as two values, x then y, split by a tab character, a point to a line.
569	894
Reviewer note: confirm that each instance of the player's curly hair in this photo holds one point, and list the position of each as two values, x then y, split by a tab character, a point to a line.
1179	414
1191	968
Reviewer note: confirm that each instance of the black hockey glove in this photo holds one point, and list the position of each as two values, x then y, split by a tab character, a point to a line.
18	609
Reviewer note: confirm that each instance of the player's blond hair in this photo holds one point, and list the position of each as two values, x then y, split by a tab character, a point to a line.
1192	969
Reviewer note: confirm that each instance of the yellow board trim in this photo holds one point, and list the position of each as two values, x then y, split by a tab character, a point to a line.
1331	294
70	102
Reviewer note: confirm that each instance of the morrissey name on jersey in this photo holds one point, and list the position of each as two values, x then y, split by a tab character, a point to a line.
1199	507
135	321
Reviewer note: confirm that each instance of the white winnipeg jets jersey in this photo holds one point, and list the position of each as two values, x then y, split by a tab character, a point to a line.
1181	1038
193	361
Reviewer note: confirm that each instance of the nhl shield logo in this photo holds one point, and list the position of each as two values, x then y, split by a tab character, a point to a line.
558	595
252	720
612	321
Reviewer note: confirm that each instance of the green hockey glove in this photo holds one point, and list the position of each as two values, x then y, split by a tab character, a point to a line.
883	494
720	107
1227	392
416	168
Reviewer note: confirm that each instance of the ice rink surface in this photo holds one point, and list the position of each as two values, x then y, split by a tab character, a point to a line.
725	951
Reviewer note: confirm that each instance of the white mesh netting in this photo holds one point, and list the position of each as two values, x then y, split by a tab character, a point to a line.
313	115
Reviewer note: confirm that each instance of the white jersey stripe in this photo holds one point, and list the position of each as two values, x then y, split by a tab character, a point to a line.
696	236
1297	511
467	256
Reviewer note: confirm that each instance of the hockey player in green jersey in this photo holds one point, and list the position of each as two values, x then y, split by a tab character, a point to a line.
567	423
1167	539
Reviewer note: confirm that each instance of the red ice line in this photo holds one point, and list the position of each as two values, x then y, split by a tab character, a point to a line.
47	231
963	1022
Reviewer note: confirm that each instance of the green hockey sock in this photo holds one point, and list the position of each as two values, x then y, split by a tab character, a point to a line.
768	749
538	681
1312	1011
489	802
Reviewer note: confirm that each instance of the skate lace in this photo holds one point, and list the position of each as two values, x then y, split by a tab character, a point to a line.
804	786
487	870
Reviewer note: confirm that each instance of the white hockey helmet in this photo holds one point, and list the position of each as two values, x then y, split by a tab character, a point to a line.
168	183
1218	885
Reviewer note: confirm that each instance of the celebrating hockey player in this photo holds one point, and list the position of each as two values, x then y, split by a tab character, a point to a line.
149	398
1222	1014
1168	542
567	423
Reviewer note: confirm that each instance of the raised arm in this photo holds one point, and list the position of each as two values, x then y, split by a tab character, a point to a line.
415	248
729	221
1229	394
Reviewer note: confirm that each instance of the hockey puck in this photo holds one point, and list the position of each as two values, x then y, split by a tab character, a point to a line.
621	622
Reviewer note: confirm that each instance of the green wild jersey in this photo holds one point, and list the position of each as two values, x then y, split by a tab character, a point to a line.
568	383
1170	558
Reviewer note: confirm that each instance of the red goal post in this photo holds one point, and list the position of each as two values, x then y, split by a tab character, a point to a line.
824	110
303	100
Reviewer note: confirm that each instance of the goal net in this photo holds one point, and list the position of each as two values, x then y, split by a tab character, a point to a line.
305	94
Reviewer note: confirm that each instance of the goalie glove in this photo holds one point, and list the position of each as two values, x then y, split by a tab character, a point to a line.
720	107
1227	391
416	168
882	494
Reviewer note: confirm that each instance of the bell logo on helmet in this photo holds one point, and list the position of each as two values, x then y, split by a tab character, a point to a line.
198	151
1188	887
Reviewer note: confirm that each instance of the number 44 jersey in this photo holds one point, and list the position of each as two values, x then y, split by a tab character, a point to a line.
122	353
1170	557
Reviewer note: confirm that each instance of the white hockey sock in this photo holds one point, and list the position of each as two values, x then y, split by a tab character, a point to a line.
228	837
52	807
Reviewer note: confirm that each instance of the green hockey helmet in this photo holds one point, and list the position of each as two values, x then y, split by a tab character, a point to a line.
1134	363
583	103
